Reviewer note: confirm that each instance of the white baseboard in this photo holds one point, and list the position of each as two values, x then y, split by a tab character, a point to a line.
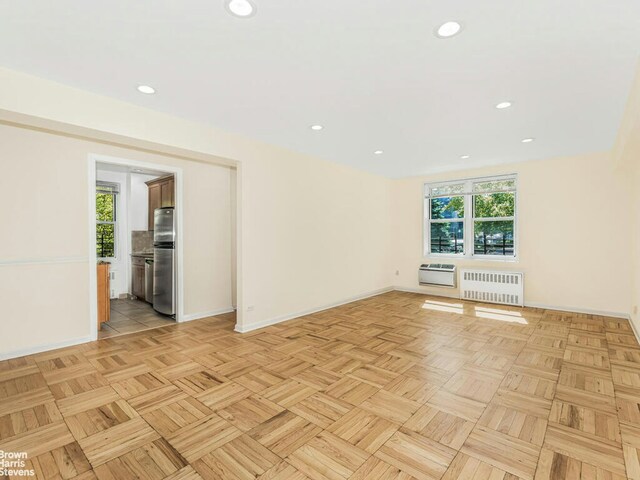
446	294
624	316
588	311
526	304
635	329
44	348
284	318
197	316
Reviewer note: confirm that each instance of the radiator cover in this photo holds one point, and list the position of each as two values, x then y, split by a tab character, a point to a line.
506	288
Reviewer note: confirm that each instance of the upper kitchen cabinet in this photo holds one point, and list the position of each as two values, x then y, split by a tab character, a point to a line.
161	195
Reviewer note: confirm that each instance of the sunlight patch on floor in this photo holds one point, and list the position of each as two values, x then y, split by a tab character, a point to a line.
501	315
512	316
444	306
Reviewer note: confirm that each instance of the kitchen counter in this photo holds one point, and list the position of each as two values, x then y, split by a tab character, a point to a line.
143	254
139	269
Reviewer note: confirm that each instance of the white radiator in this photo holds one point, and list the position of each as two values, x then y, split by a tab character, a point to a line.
506	288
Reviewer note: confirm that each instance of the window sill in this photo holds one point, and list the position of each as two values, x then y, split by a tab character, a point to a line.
479	258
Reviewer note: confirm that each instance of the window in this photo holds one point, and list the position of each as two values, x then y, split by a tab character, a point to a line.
471	218
106	218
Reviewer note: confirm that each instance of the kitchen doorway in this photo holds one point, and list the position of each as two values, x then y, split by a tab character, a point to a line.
135	235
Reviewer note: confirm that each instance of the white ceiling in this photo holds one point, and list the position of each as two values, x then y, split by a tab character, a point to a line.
371	72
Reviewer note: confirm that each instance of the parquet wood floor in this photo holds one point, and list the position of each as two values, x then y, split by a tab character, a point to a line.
398	386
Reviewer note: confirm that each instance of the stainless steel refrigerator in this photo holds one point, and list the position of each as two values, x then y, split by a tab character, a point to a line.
164	265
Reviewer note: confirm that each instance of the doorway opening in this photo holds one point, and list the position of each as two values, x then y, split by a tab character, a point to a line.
136	243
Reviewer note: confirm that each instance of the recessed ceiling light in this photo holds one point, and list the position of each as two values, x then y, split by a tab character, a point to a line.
146	89
317	128
378	152
502	105
448	29
464	157
240	8
527	140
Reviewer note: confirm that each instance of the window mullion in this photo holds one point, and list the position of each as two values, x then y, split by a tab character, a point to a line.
468	221
104	251
494	219
445	220
465	189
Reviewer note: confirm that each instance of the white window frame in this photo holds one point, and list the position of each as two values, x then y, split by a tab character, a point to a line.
468	220
116	216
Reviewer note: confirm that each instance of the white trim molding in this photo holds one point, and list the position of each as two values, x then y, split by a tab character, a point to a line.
588	311
636	332
456	295
469	219
188	317
93	160
284	318
624	316
444	294
43	261
43	348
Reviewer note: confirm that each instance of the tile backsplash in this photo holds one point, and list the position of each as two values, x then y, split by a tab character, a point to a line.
142	241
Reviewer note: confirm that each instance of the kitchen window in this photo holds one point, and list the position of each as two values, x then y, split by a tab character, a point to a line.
473	218
106	219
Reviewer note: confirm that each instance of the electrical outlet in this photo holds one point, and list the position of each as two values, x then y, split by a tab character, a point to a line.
635	309
397	272
250	308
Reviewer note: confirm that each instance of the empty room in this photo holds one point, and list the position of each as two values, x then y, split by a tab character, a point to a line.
323	240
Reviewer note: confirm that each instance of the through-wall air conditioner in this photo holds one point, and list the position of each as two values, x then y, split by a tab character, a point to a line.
438	274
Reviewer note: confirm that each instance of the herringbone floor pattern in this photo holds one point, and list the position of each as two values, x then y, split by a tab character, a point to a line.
398	386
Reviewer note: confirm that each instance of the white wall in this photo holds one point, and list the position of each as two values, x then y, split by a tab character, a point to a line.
634	306
312	233
139	204
567	209
626	155
44	269
233	185
296	210
120	264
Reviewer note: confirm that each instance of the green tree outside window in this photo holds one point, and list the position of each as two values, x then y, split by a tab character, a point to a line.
105	225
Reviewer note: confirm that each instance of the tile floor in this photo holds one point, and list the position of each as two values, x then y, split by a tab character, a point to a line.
130	316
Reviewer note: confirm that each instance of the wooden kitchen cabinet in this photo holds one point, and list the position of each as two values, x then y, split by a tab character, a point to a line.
166	194
137	277
154	202
161	195
104	294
